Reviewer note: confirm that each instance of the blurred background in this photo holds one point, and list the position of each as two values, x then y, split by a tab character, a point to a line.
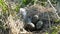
11	23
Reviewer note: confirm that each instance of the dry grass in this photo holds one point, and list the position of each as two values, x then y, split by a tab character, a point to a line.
15	26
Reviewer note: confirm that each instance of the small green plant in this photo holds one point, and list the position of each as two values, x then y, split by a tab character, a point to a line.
57	20
55	30
4	6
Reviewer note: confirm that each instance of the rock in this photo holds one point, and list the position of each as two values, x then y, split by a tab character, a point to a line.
35	19
39	24
29	26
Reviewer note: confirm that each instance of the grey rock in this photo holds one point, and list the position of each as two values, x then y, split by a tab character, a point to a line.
39	24
31	25
35	18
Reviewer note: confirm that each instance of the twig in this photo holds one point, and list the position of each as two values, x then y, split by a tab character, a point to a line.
51	5
54	9
49	22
